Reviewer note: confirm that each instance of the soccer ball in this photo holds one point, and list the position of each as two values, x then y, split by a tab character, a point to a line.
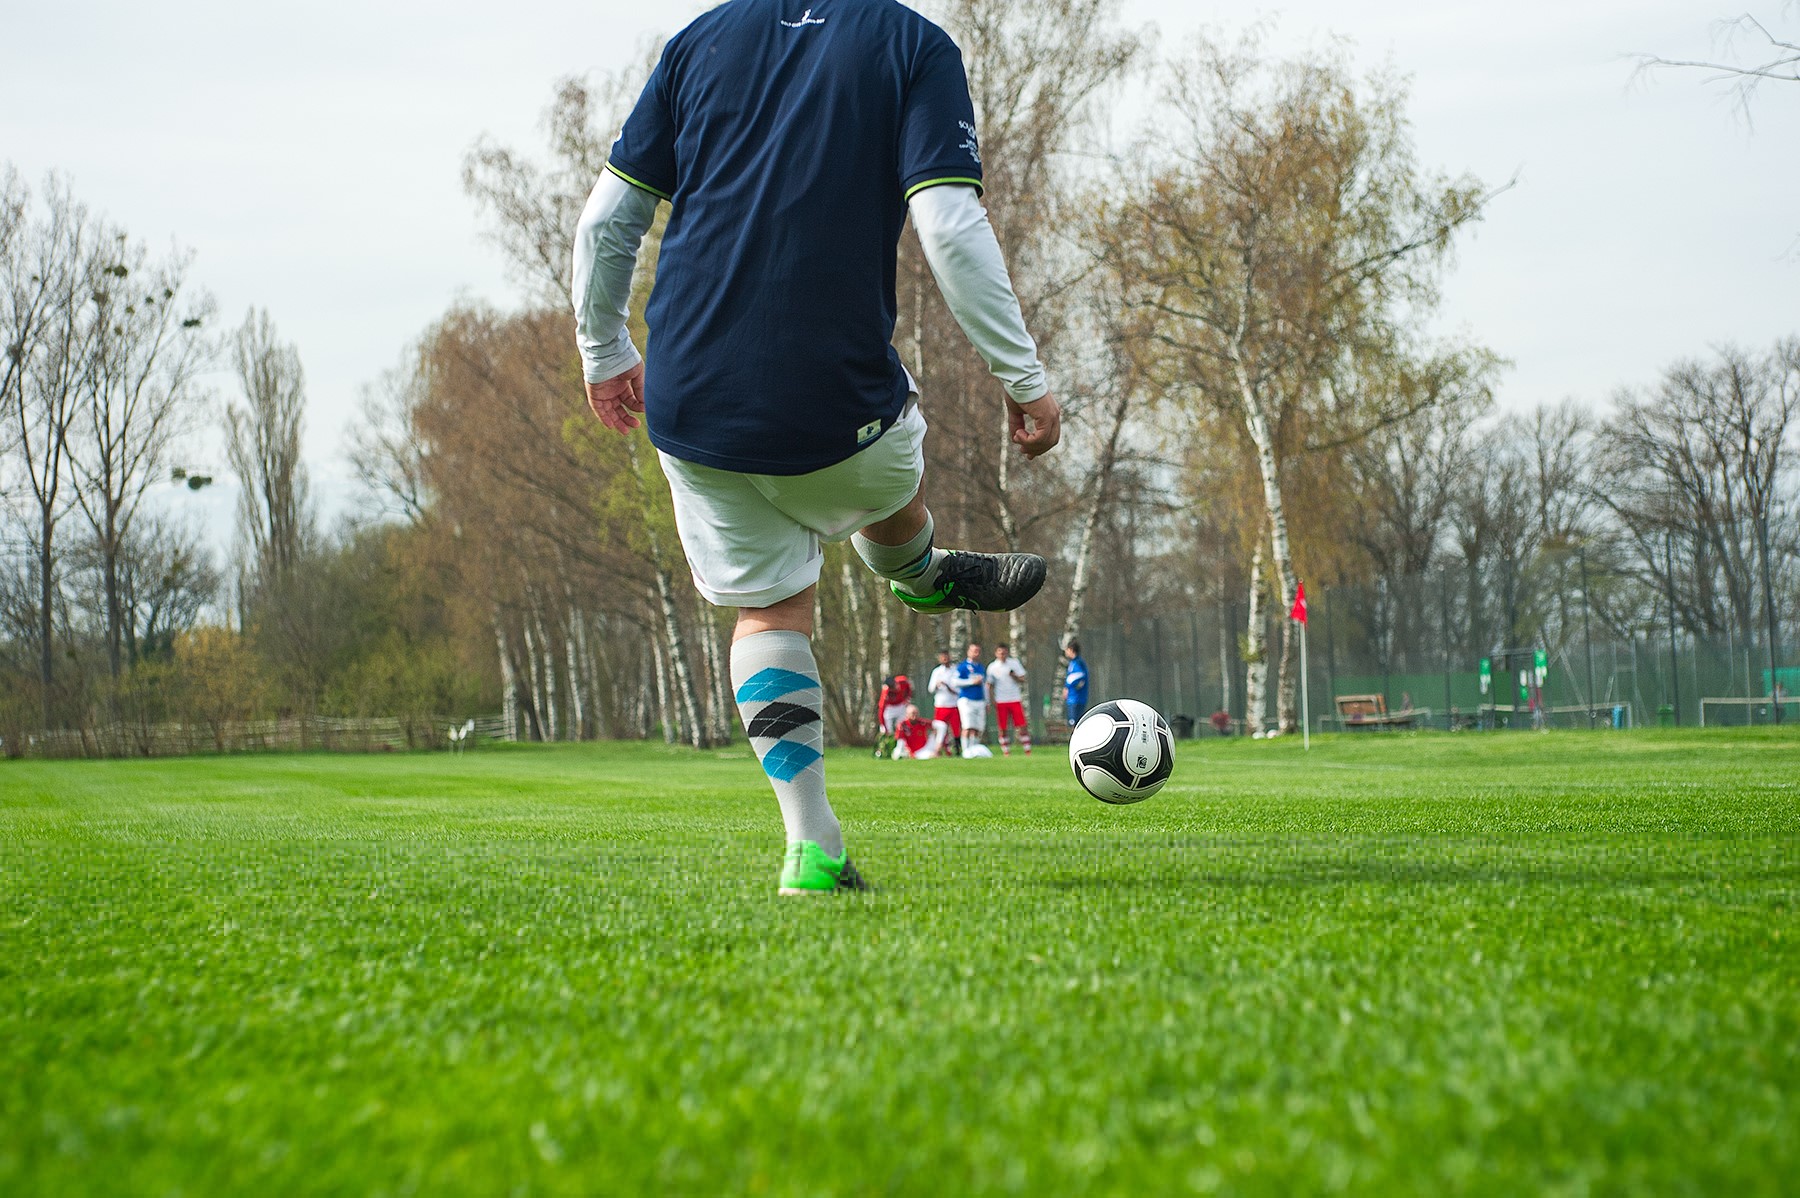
1122	751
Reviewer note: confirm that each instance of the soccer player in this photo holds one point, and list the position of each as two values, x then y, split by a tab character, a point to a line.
890	709
791	143
1075	684
943	687
1005	682
971	697
917	737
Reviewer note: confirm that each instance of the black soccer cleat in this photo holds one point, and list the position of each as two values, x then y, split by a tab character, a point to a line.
980	582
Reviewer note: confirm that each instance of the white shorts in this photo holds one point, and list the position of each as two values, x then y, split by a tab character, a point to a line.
891	717
973	713
753	540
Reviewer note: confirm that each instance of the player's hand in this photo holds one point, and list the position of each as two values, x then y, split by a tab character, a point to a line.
619	401
1036	426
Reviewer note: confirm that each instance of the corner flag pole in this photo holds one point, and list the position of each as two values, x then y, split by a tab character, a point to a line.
1305	697
1298	613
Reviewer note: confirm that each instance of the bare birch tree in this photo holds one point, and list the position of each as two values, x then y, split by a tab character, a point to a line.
1771	57
1286	234
55	288
145	394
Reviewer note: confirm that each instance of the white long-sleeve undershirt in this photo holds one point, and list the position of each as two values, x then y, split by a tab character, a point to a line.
965	259
959	244
612	227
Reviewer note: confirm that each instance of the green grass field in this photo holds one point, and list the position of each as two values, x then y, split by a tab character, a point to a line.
1494	964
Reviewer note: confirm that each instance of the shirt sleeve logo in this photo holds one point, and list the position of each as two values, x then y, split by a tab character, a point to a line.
806	19
973	143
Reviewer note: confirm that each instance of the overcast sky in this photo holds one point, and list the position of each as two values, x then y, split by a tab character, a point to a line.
311	154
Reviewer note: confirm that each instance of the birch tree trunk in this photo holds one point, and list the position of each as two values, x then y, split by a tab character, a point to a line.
1256	651
884	618
552	722
678	667
509	682
1256	422
683	677
1009	528
577	710
646	687
537	682
718	665
1090	526
856	649
662	697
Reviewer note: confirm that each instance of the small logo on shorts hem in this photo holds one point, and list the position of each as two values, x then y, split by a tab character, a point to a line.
868	433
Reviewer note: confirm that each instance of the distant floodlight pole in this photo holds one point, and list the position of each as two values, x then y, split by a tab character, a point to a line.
1674	650
1762	526
1769	614
1587	636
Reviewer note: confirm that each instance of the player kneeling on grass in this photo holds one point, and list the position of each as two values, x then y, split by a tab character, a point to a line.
917	737
791	149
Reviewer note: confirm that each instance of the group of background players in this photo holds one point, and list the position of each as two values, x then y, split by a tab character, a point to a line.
961	694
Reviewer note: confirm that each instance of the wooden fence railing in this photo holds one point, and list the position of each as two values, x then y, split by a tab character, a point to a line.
296	734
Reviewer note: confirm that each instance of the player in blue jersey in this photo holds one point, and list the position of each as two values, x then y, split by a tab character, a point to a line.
1075	684
792	140
971	697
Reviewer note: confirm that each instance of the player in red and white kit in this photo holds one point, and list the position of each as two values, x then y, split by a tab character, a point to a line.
917	737
943	687
1006	688
890	709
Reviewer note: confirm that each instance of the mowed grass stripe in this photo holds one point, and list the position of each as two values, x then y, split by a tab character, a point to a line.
1414	965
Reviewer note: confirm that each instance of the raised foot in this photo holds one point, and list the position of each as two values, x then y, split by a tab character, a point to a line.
980	582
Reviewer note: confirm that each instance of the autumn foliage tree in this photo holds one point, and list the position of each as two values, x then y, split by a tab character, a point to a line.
1290	245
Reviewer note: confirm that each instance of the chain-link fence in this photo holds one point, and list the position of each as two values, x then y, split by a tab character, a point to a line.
1437	651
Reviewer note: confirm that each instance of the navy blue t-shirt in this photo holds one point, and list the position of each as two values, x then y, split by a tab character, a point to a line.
788	136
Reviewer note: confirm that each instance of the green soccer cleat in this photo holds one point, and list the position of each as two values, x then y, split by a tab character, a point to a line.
980	582
809	871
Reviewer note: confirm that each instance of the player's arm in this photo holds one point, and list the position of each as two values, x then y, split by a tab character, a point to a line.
612	227
965	258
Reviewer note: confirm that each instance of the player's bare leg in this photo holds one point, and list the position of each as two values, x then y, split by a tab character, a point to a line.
932	580
776	679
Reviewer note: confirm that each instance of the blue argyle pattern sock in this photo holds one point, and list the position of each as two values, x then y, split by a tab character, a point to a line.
778	696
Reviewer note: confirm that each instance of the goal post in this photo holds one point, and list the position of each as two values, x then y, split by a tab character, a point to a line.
1751	707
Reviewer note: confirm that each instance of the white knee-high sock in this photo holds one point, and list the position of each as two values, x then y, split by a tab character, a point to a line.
778	696
913	565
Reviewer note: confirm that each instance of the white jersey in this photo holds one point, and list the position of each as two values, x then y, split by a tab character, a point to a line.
943	686
1005	677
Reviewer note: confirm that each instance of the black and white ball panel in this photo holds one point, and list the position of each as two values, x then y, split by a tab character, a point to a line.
1122	751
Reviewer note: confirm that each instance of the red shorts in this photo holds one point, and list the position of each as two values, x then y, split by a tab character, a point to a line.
1011	715
950	716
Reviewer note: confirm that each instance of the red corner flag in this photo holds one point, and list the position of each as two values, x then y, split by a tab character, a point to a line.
1299	612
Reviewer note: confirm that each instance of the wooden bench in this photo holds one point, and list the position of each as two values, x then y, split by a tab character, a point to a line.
1370	711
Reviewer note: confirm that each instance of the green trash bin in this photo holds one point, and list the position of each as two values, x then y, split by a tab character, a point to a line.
1665	716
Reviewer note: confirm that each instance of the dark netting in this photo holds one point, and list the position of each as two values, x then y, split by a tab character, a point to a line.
1411	654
